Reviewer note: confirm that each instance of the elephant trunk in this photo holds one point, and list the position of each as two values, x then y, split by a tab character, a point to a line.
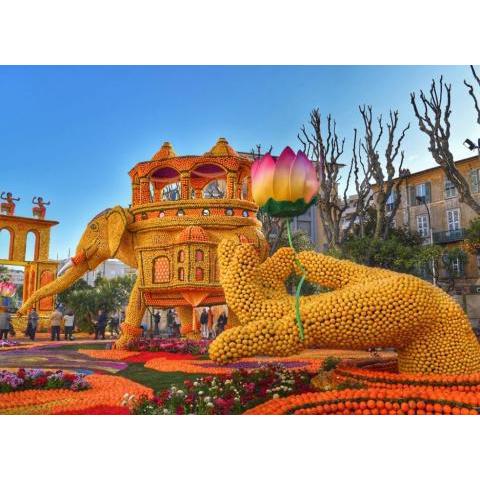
58	285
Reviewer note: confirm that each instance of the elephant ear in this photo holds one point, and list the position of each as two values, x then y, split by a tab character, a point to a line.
117	219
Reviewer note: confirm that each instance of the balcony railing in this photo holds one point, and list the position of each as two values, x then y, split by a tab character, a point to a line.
448	236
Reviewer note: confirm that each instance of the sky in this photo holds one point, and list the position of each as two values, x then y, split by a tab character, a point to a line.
70	134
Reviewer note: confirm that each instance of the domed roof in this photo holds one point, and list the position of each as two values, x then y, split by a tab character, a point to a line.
192	234
166	151
222	149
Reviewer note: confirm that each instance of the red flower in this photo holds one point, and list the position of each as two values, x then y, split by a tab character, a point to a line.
40	381
180	410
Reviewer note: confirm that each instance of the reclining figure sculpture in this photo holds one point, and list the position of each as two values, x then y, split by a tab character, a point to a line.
366	307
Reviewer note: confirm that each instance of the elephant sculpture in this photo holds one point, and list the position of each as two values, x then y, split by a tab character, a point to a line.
106	236
366	307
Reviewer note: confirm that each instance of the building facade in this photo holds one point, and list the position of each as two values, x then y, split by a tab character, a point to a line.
431	207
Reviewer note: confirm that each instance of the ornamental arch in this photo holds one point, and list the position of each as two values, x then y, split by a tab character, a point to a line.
39	270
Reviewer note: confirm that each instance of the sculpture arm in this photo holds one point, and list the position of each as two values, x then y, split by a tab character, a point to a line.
331	272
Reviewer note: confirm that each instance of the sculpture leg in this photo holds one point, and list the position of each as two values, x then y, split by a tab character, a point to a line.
135	310
185	313
449	348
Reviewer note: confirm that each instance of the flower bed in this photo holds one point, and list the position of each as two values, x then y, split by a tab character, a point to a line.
107	354
404	401
37	379
106	391
226	396
171	345
209	367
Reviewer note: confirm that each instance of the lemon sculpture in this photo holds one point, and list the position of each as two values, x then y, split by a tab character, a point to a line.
366	307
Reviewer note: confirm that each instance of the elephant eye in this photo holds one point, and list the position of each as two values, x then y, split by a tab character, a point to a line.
94	226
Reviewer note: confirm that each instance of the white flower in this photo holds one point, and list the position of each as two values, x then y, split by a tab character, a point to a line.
200	392
276	395
180	392
195	384
210	404
207	399
165	410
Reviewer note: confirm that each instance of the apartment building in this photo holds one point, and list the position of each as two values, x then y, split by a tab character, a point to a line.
430	206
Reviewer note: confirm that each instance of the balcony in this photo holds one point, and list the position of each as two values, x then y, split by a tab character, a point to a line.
449	236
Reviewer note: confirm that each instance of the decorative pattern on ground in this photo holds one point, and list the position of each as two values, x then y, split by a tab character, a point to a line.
106	392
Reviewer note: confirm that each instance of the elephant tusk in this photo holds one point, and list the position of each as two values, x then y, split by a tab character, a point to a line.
65	267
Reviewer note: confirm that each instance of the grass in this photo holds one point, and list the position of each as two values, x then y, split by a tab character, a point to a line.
156	380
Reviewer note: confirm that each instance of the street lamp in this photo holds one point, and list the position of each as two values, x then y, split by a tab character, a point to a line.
471	145
423	200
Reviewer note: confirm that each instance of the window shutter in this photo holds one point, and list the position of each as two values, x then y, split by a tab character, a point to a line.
413	199
428	192
474	181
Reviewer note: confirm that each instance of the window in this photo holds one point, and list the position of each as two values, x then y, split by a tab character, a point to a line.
421	190
390	201
171	192
453	219
181	274
474	181
198	274
181	256
422	226
199	255
215	189
478	261
457	267
450	190
161	270
420	194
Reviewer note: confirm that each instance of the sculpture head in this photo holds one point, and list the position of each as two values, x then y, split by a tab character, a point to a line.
100	240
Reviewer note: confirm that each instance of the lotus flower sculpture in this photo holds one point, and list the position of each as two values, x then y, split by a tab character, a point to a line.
286	188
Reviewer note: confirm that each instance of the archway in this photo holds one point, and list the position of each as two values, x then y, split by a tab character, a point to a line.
6	244
31	246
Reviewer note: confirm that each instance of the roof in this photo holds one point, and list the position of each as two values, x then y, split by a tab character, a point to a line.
192	234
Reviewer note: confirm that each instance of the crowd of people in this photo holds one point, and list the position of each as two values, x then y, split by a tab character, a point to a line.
209	328
64	317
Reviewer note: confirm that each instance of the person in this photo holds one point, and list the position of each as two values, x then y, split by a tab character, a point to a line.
55	322
204	323
101	324
144	327
221	323
114	324
32	324
4	322
176	326
170	322
156	321
69	320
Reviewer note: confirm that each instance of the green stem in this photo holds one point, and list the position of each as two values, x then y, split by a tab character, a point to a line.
299	286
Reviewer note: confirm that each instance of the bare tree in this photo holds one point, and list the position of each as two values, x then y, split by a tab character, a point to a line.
362	179
325	152
471	92
384	171
434	121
